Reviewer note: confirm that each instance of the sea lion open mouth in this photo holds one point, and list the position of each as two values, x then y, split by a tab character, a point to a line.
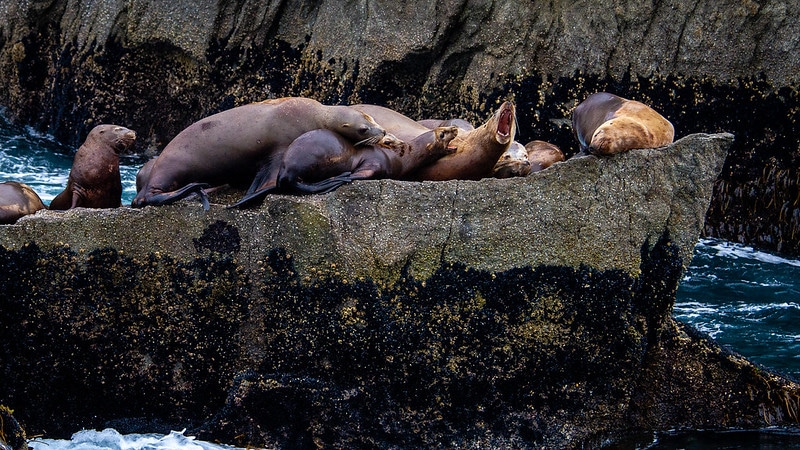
505	122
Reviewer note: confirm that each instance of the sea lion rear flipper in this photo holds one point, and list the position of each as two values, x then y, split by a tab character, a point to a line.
324	186
249	199
333	183
166	198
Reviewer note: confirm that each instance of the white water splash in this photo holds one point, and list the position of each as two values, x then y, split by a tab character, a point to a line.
110	439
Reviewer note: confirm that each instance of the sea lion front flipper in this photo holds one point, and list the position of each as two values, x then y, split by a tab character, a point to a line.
77	197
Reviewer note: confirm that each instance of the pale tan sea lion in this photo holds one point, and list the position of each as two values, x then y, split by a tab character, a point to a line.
606	124
17	200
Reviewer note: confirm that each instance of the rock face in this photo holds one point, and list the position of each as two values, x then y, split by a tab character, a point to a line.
12	436
519	312
155	67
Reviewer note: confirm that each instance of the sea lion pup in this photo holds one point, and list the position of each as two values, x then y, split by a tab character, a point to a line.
243	144
542	155
513	162
17	200
320	161
94	180
606	124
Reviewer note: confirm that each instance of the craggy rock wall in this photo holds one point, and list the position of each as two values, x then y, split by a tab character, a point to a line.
529	312
709	66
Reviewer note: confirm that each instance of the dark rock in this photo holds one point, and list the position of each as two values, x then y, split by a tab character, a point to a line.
12	436
529	312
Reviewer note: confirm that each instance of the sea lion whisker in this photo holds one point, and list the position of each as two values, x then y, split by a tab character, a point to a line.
369	141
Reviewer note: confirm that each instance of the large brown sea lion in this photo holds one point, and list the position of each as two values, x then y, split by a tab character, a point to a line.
320	161
606	124
94	180
17	200
243	144
477	150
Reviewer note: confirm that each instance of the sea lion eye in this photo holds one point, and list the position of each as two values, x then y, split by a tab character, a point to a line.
364	130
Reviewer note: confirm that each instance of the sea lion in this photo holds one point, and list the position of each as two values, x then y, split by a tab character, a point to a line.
513	162
606	124
17	200
144	174
320	161
243	144
94	180
477	150
434	123
542	155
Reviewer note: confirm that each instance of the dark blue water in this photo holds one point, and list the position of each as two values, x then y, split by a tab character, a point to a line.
748	300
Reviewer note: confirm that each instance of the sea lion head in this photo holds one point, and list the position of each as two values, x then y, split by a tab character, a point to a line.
117	137
513	163
357	126
504	123
542	154
444	135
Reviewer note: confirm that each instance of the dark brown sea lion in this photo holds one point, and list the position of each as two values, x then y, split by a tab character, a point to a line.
17	200
94	180
542	155
513	162
606	124
144	174
477	150
320	161
243	144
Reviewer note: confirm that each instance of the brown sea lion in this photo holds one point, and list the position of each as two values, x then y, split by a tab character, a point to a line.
513	162
477	150
144	174
606	124
94	180
320	161
243	144
17	200
542	155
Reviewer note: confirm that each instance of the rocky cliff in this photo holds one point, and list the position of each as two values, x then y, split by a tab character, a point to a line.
155	67
520	312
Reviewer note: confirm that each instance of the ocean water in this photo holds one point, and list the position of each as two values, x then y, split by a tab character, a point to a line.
748	300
